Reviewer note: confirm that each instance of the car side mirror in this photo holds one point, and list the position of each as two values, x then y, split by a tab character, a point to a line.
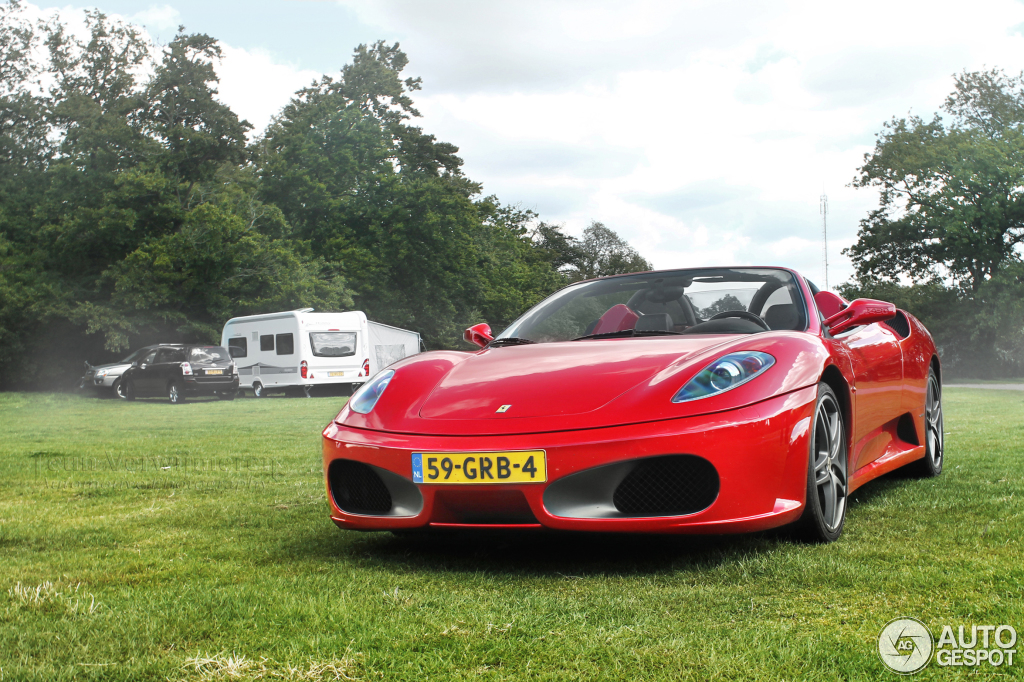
135	363
829	304
480	334
860	312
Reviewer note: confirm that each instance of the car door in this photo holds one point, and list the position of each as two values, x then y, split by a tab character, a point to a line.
143	375
877	362
165	368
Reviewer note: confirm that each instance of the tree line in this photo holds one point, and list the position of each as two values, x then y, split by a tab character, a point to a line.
136	207
945	242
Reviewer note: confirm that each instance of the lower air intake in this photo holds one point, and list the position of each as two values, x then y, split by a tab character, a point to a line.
667	486
357	488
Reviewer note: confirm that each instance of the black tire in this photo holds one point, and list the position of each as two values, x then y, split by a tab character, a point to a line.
827	481
226	395
258	391
934	441
175	394
118	389
129	390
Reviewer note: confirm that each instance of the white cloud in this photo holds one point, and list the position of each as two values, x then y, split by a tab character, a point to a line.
157	18
255	86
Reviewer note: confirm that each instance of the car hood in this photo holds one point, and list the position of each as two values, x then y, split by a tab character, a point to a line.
112	366
572	385
554	379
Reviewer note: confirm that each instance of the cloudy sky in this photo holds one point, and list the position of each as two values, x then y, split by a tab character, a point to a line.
702	131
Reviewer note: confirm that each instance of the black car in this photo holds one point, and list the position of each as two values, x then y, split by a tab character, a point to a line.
180	371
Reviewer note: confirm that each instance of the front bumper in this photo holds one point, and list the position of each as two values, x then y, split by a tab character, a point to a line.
760	453
90	380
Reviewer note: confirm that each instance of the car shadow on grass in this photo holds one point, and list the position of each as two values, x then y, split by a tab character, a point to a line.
536	553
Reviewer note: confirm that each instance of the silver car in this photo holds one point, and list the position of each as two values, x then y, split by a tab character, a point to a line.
103	378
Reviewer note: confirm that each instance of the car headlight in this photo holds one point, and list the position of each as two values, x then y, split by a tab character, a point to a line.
724	374
100	373
364	399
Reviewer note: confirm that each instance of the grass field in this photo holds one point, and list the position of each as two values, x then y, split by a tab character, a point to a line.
154	542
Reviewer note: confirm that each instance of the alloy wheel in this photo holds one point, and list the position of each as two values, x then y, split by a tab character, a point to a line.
830	463
933	423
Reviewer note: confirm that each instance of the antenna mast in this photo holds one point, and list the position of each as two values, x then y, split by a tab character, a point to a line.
824	237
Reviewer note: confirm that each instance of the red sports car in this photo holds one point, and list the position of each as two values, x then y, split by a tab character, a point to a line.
717	400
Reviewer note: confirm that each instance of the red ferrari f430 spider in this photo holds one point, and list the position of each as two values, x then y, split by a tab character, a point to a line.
717	400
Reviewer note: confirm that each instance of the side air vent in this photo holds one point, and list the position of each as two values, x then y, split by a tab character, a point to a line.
357	488
899	324
667	486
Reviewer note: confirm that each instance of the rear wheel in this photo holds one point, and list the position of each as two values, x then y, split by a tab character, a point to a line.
934	443
258	390
825	511
175	394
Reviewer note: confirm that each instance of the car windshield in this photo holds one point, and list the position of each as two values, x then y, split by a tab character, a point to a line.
209	355
134	356
706	301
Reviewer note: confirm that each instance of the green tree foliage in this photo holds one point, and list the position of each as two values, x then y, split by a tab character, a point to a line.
951	221
133	209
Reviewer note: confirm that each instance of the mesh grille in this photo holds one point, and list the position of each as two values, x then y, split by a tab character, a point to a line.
899	324
357	488
667	486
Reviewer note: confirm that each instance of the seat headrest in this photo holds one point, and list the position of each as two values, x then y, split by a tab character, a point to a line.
782	316
654	322
662	294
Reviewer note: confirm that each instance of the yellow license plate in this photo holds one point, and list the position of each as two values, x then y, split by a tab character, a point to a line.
335	374
474	468
214	371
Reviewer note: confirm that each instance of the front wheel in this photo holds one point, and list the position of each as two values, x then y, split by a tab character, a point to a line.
825	510
175	394
119	390
934	443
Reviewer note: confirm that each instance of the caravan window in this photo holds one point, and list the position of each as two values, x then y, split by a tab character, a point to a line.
267	342
285	344
333	344
240	345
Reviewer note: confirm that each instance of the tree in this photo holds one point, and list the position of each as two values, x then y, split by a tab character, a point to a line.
602	252
198	134
951	202
951	221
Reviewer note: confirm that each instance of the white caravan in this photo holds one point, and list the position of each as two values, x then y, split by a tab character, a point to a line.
300	349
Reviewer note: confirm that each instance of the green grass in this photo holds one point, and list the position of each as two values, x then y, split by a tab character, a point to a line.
226	563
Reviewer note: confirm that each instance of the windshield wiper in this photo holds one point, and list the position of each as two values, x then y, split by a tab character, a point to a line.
510	341
628	332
